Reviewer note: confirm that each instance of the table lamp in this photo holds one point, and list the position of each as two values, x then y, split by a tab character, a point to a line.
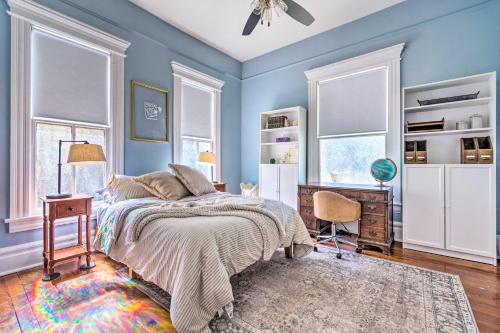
80	152
208	158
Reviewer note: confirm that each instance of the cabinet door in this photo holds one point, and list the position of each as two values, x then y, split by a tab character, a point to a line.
423	205
470	209
288	184
268	181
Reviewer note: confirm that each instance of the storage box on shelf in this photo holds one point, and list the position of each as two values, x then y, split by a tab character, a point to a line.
449	204
286	147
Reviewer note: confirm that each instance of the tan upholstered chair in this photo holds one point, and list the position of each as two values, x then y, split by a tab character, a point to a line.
335	208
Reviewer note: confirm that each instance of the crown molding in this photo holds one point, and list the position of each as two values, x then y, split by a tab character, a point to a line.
185	72
369	60
50	19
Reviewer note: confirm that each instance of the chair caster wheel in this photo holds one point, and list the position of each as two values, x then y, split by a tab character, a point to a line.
339	255
315	249
359	250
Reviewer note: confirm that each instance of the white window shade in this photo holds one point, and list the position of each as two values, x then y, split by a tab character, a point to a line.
70	81
353	104
197	115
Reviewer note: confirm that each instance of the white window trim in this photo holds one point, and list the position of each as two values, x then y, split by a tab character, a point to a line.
186	74
389	57
24	14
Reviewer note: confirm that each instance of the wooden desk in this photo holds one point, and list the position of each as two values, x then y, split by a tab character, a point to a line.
77	205
375	226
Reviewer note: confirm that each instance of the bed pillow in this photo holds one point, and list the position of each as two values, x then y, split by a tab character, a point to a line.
195	181
163	185
122	188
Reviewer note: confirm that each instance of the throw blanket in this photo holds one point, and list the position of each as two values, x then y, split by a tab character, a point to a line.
191	248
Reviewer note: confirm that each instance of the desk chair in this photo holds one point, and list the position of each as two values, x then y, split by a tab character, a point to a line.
335	208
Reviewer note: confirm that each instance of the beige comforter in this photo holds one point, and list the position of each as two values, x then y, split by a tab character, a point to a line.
192	257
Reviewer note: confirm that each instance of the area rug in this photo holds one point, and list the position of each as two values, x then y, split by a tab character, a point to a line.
320	293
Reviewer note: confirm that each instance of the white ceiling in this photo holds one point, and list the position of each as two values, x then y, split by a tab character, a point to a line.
219	23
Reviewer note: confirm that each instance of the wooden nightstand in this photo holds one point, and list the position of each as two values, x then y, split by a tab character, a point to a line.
221	187
75	206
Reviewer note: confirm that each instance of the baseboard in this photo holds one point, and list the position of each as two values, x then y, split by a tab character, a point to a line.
453	254
24	256
397	228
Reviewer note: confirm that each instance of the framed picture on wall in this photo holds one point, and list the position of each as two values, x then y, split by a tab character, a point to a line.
148	112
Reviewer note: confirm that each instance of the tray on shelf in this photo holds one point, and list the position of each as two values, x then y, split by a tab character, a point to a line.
425	126
448	99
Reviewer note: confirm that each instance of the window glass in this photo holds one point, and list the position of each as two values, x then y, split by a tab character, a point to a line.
348	159
90	177
46	155
190	150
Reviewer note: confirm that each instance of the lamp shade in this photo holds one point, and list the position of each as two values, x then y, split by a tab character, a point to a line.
86	154
206	158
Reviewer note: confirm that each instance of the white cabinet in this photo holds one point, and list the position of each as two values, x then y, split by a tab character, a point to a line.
279	182
470	209
423	211
449	209
269	181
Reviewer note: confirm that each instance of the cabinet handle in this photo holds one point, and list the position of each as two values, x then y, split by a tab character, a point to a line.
70	209
372	207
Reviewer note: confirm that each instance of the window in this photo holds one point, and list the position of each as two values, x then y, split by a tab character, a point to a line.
354	117
196	118
67	84
70	101
347	160
352	125
74	179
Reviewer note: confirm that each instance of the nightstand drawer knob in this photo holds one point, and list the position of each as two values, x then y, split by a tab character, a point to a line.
70	209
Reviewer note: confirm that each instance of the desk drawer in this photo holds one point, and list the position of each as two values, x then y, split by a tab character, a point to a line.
71	209
308	190
306	200
311	224
375	221
377	234
307	212
372	196
373	208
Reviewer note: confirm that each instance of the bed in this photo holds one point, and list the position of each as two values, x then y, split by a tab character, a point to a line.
192	246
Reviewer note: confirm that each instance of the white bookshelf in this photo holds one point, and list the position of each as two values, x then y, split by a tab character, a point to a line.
279	181
449	208
269	148
443	147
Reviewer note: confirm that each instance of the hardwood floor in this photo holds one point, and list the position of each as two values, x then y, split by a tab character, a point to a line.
101	300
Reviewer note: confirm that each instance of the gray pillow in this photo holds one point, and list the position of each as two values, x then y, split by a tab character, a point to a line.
122	187
195	181
163	185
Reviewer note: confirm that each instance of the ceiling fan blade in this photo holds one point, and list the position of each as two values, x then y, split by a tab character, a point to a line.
251	24
298	12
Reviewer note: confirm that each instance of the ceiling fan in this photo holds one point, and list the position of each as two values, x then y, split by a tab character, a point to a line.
263	11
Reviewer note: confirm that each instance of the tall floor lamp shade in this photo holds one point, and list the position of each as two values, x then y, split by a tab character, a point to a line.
80	152
208	158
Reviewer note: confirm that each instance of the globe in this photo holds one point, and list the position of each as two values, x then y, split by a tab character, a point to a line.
383	170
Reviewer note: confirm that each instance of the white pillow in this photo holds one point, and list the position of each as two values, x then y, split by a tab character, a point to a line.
122	187
194	180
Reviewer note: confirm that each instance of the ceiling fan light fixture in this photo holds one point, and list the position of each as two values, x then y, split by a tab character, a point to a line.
265	8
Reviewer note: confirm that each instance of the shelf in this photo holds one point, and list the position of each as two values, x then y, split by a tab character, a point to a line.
449	105
280	129
69	253
450	132
279	143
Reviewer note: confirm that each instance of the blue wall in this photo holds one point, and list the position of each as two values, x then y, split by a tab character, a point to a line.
444	39
154	44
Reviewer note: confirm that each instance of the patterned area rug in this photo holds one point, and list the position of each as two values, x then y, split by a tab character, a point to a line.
320	293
